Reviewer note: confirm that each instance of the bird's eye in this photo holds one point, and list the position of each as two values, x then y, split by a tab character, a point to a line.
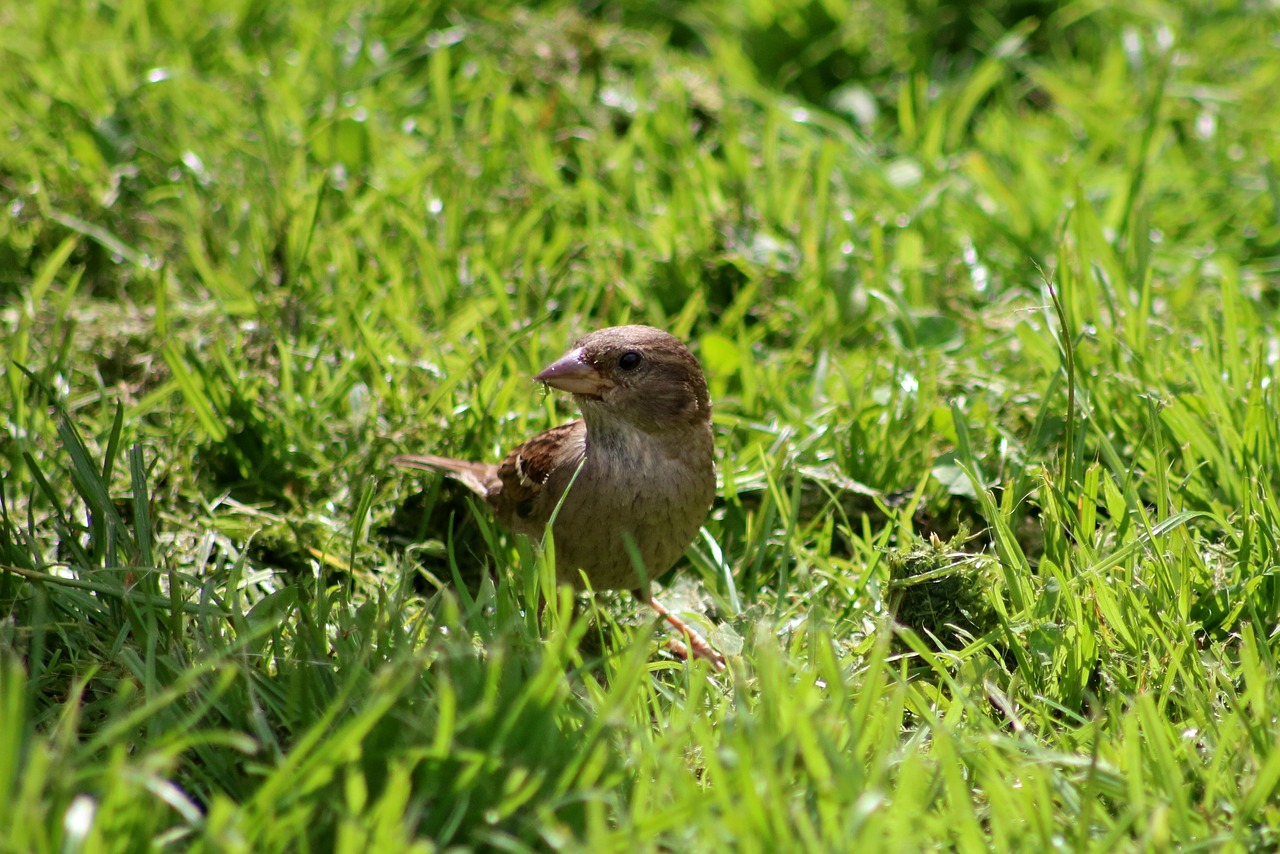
629	360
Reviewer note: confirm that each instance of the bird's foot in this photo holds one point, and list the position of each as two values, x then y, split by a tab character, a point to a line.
695	642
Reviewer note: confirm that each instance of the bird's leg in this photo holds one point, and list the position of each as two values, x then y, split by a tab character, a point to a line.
697	643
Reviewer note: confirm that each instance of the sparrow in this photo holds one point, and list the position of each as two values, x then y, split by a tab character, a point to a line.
638	467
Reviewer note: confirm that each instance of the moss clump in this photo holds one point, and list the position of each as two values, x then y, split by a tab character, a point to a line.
940	591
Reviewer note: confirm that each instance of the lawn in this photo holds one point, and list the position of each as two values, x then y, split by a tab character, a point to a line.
987	295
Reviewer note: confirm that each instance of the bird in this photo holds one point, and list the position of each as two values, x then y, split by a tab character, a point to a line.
638	467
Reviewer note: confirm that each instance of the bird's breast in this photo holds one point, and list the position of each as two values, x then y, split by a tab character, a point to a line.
654	494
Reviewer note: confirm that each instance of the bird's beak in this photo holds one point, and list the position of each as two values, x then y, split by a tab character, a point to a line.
574	374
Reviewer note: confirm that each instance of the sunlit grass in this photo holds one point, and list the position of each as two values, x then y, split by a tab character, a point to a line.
988	312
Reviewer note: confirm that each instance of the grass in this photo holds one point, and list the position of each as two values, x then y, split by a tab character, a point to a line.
988	302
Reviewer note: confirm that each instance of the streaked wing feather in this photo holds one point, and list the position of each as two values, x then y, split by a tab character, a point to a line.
526	469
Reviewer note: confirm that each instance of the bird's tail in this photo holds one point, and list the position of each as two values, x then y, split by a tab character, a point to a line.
480	478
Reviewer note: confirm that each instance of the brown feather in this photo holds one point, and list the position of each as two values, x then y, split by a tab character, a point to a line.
480	478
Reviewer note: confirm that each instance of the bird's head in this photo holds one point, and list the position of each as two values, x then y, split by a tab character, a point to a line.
634	374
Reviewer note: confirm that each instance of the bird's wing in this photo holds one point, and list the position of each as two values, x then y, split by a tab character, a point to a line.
480	478
527	469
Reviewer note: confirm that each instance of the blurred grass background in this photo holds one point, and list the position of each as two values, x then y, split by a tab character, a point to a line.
986	293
